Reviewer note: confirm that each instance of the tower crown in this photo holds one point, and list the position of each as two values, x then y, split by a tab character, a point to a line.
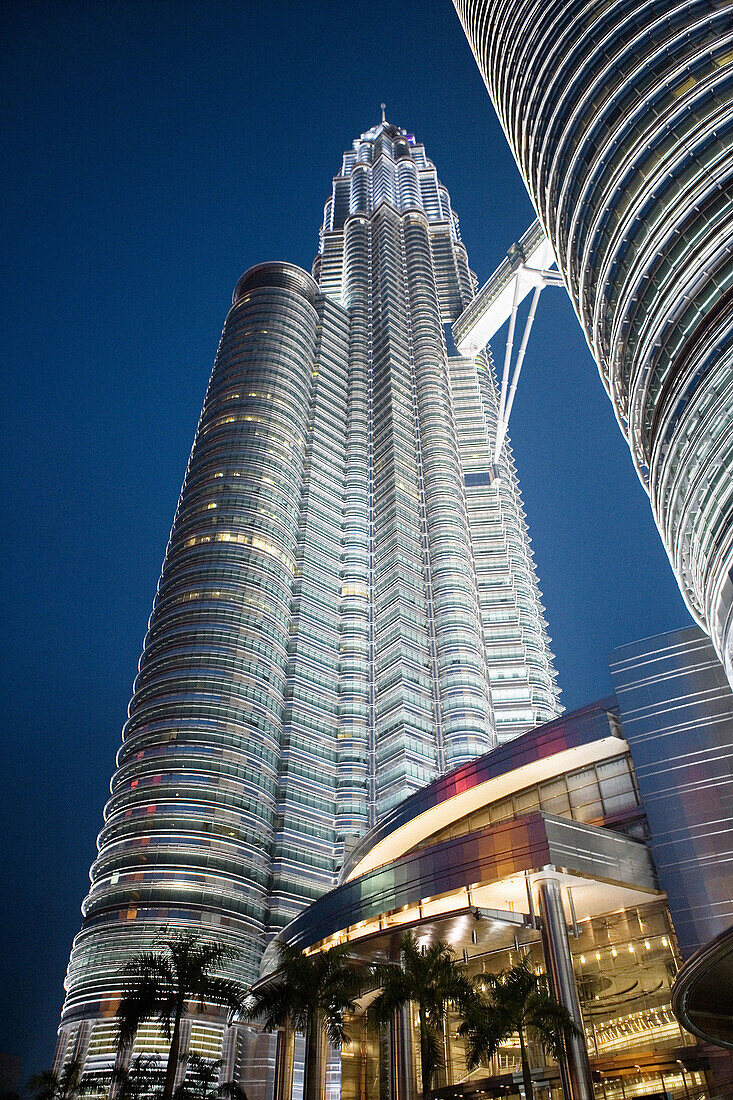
386	165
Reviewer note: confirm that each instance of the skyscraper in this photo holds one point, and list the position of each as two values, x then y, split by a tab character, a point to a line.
348	605
620	117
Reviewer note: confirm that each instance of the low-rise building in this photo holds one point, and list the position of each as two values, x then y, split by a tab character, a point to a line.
598	846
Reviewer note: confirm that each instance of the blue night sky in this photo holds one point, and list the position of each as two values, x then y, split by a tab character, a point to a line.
154	152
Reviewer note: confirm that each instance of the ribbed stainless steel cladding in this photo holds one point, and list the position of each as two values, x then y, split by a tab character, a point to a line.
190	819
620	116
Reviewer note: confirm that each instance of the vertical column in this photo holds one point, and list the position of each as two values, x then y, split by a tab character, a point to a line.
228	1047
355	796
75	1043
81	1043
402	1059
559	967
254	1062
60	1052
184	1045
406	717
447	1049
466	717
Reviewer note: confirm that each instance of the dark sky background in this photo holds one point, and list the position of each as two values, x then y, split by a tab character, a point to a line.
154	152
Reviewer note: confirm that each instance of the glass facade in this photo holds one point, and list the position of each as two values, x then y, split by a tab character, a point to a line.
620	116
469	859
348	607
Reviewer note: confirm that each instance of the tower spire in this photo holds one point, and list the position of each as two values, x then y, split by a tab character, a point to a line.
384	108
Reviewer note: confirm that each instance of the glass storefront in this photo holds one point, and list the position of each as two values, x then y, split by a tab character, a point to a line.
624	966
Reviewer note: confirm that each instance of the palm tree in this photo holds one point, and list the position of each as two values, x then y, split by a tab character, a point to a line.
160	983
515	1002
202	1082
141	1078
65	1085
309	994
433	978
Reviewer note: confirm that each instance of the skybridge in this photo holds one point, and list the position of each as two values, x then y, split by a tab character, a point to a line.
527	267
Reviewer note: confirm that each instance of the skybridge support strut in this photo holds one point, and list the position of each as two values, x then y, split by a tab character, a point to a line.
528	266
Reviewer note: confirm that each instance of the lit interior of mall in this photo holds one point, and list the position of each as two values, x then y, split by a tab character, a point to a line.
548	826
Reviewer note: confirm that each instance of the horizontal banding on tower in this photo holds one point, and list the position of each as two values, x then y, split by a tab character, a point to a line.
276	275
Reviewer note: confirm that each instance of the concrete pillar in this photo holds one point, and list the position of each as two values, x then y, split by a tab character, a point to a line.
402	1060
284	1062
577	1080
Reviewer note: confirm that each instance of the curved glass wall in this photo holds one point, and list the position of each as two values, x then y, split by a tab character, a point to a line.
476	882
620	116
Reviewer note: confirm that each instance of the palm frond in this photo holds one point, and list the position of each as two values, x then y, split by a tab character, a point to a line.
64	1085
156	982
432	977
211	954
397	990
201	1079
221	991
281	1004
151	965
305	987
335	1030
138	1003
142	1078
230	1090
484	1027
515	1000
550	1023
43	1086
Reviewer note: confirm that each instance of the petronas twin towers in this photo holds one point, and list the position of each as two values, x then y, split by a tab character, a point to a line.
348	605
